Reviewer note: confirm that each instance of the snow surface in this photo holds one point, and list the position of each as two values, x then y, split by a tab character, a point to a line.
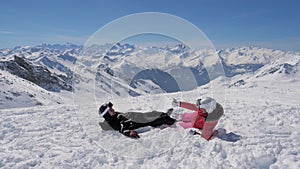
52	137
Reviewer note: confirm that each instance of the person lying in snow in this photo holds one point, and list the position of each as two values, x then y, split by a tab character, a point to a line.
206	116
126	123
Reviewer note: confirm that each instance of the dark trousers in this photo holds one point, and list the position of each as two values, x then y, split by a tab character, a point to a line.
134	120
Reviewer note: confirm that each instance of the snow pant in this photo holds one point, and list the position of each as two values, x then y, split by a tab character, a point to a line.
134	120
208	127
187	120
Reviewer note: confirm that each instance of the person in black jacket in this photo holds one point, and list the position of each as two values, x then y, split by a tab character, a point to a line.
126	123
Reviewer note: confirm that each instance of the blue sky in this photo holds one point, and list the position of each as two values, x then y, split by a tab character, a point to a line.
231	23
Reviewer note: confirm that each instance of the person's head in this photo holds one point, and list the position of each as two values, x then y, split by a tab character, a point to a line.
107	109
207	104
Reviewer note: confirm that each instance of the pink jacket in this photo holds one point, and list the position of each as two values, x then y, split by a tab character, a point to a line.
198	119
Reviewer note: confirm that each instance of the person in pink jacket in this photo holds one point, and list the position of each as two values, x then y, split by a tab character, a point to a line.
206	116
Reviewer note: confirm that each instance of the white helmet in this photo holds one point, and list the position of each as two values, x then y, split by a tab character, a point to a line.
207	103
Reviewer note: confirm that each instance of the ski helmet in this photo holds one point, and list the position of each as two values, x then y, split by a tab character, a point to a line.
105	108
207	103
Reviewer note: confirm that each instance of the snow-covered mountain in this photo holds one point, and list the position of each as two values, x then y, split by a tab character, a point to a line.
18	92
57	58
37	74
140	70
47	66
281	70
249	59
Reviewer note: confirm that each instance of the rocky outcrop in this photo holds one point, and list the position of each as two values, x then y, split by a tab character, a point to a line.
37	74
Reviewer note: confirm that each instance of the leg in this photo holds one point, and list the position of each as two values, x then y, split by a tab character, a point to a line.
153	119
208	129
186	125
163	119
188	117
146	117
140	117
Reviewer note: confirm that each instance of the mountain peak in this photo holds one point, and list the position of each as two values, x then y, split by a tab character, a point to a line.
59	46
178	48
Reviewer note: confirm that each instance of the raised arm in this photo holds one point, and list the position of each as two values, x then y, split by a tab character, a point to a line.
189	106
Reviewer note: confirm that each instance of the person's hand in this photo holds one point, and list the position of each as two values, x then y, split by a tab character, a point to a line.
134	134
175	103
192	132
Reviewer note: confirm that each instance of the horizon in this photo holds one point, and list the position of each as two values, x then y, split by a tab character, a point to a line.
230	24
162	45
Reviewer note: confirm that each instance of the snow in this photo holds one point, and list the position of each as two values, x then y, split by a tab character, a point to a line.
17	92
259	128
247	55
52	136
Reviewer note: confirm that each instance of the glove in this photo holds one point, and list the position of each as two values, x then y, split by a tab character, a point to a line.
192	132
175	103
131	134
134	134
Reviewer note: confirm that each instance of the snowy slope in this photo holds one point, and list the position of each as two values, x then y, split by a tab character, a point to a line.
17	92
52	136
